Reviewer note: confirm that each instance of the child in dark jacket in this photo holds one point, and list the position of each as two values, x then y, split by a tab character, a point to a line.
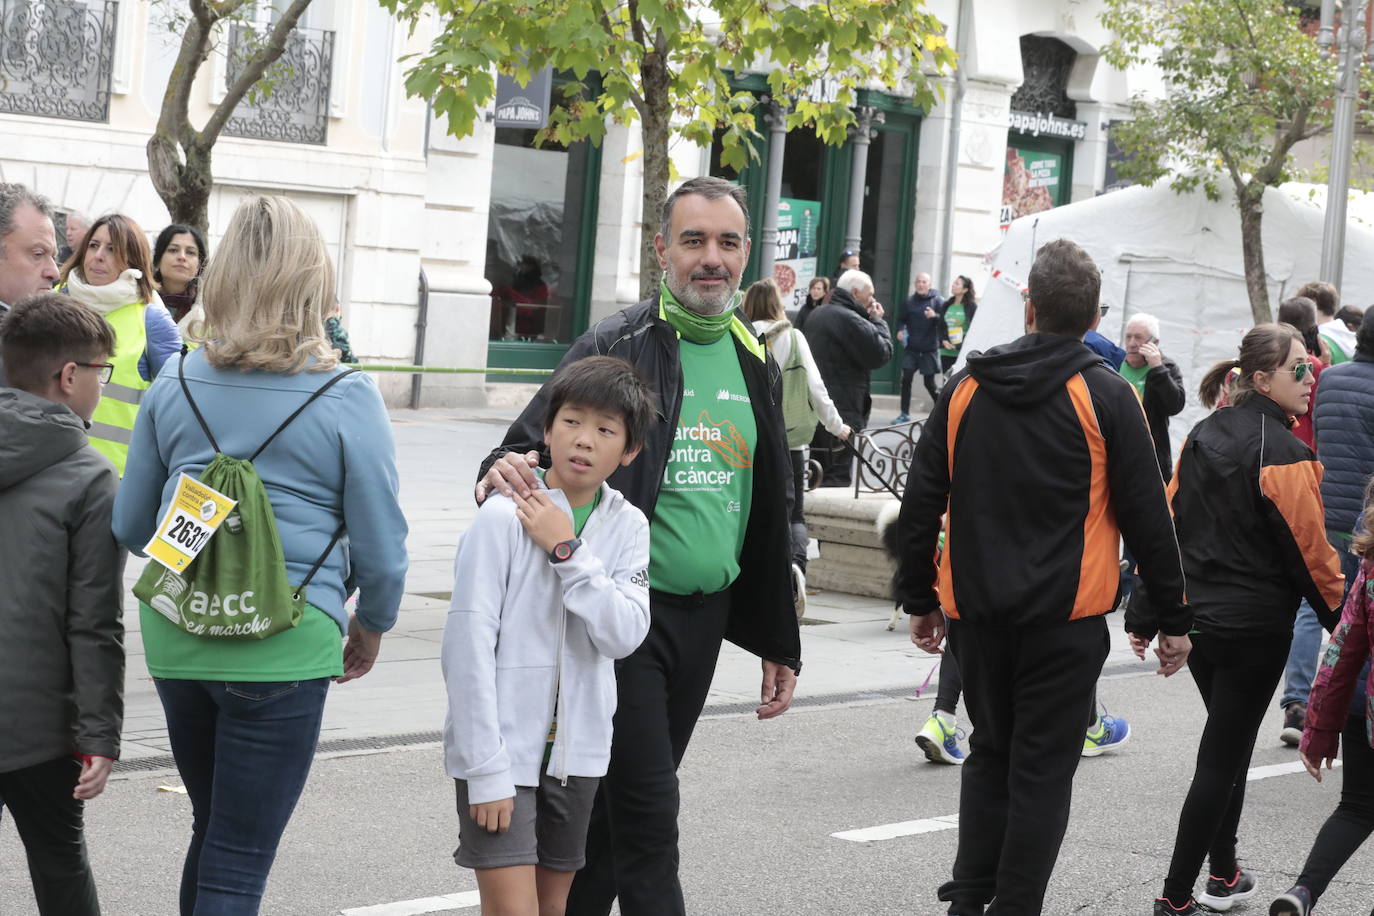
1341	706
61	632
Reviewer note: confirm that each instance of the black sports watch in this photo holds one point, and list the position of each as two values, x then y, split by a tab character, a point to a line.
563	550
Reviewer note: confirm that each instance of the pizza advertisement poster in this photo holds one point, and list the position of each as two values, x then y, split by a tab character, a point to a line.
1030	183
794	258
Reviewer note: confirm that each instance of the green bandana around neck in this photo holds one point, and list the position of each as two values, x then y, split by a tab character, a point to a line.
699	329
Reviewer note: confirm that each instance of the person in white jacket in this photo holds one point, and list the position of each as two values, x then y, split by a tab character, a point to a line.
548	591
763	306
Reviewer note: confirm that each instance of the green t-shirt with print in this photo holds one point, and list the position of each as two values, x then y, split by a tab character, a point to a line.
703	505
1136	376
313	648
956	325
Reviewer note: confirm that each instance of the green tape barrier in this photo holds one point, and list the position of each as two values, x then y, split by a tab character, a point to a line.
447	370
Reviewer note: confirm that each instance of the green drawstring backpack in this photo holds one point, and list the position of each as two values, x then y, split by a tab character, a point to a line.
236	588
798	413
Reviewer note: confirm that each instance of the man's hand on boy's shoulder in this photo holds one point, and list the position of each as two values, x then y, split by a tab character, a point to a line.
546	524
511	472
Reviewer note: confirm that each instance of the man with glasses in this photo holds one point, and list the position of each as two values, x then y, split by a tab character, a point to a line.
27	246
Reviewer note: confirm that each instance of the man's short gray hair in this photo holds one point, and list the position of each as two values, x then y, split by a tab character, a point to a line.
852	280
1150	321
12	197
709	187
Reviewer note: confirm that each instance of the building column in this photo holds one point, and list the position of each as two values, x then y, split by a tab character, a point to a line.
861	135
776	117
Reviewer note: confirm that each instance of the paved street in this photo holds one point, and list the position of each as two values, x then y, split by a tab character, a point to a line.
762	802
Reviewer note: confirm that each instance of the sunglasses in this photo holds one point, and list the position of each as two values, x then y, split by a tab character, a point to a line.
1103	310
1300	371
106	370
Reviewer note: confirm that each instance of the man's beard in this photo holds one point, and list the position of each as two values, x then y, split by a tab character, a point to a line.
701	304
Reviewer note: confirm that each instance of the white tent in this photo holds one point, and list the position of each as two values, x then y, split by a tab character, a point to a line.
1177	257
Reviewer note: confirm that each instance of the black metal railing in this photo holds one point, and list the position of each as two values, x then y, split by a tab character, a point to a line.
887	451
291	102
56	58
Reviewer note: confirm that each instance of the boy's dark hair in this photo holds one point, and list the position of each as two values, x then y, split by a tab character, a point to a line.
605	383
47	330
1322	294
1064	286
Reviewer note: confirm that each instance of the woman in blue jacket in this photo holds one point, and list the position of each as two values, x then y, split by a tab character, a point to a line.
243	715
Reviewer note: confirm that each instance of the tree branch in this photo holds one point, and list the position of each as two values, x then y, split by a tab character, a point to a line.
1271	170
253	69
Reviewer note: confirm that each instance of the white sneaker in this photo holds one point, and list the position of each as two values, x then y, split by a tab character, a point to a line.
798	591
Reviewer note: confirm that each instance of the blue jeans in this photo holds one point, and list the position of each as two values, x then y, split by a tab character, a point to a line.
244	750
1307	633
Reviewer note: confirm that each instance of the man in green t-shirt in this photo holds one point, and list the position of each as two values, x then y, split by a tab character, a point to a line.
714	482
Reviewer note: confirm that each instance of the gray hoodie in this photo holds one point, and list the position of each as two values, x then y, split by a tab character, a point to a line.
61	627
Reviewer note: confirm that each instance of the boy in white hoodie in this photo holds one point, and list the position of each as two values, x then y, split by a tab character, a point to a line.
549	589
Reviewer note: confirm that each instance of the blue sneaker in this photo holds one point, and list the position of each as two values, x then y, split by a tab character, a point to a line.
901	418
939	743
1108	735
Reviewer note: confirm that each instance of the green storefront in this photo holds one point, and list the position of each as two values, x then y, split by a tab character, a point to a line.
543	218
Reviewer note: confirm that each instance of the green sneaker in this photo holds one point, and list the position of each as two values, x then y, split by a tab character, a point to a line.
938	743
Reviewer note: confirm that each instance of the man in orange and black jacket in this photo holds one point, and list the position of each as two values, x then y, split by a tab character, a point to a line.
1039	458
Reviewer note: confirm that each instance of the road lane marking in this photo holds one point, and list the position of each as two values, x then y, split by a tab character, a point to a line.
905	828
1277	769
419	906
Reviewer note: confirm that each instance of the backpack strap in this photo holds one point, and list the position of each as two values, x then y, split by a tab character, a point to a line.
186	389
338	533
308	401
794	358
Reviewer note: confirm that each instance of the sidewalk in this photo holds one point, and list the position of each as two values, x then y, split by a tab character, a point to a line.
846	649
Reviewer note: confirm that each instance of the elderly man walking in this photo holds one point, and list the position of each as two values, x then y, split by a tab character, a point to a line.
714	480
1031	639
849	339
27	245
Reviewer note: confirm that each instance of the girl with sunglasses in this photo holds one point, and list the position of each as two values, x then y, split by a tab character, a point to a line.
1251	532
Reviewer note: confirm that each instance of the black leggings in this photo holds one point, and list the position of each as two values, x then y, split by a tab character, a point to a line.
1236	678
800	539
907	376
952	685
1351	823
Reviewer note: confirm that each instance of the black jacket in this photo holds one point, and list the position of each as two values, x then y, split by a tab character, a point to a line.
1164	397
1249	520
1343	423
1039	455
803	314
922	333
762	619
847	345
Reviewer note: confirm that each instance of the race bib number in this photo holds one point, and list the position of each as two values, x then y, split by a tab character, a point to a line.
194	516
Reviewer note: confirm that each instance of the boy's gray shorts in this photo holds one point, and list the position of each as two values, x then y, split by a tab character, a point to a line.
548	827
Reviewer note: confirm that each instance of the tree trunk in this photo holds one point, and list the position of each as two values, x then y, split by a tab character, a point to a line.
654	123
1251	201
184	186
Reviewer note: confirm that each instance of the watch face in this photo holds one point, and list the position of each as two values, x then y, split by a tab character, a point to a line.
562	551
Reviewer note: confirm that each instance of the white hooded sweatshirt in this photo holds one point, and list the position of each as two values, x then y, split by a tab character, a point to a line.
524	634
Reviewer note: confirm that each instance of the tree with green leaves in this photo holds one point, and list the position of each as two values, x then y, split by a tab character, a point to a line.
1245	81
179	154
668	64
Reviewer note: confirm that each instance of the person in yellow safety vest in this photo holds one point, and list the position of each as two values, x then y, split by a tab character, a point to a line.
111	271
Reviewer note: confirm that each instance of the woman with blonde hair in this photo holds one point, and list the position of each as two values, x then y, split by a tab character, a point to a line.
243	714
810	402
111	270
